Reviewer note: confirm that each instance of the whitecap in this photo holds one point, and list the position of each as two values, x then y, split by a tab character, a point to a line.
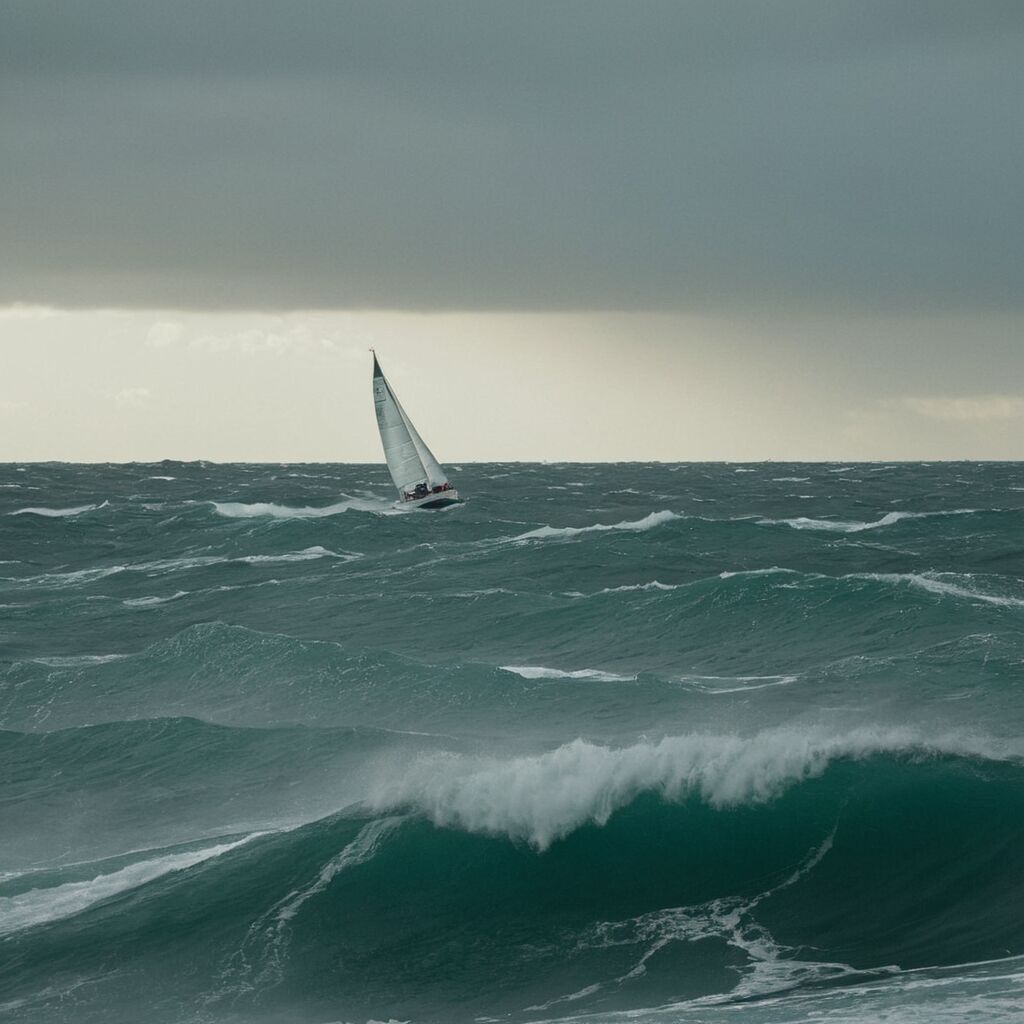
627	588
633	587
269	510
721	684
58	513
540	672
856	526
484	592
544	797
567	532
936	584
774	570
80	660
149	602
305	555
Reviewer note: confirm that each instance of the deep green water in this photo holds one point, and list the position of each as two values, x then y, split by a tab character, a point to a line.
703	743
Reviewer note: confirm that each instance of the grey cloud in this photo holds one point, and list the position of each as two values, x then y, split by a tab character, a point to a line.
709	155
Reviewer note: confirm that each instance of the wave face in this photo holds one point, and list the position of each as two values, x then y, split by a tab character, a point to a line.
638	742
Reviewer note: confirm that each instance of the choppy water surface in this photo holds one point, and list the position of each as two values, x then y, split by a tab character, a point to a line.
703	743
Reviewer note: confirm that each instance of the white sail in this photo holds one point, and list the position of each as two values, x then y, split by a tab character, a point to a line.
409	460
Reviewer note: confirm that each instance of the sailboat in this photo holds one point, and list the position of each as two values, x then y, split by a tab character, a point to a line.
420	480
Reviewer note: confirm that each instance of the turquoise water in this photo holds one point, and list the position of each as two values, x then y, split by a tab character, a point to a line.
636	742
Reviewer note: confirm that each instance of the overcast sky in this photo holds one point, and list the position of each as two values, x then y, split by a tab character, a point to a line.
788	229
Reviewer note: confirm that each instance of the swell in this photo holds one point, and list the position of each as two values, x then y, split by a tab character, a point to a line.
162	566
650	654
855	867
66	790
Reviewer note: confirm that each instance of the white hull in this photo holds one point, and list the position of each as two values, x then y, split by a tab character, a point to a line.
432	501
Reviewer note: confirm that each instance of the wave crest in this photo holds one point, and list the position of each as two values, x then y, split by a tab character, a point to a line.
543	798
856	526
58	513
566	532
270	510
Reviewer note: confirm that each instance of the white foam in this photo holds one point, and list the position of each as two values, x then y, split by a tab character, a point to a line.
791	479
77	660
484	592
267	939
855	526
935	584
540	672
631	587
720	684
305	555
165	565
58	513
262	509
148	602
359	851
772	966
541	798
628	588
774	570
649	522
38	906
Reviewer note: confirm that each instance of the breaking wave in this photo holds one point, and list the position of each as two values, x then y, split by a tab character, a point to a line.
856	526
269	510
58	513
649	522
545	797
540	672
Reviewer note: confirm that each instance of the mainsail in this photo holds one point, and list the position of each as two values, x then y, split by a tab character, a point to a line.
410	461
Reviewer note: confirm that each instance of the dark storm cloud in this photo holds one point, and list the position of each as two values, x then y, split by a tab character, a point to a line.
513	155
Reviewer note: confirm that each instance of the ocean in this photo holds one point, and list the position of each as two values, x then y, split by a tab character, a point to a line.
638	742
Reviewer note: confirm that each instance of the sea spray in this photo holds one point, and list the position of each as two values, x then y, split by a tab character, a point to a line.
545	797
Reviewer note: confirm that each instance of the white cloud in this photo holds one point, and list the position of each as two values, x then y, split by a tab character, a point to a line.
285	338
24	311
164	333
981	408
133	398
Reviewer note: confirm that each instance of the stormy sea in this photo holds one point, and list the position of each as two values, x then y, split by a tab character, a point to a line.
638	742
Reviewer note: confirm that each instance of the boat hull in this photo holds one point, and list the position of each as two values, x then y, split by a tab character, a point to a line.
432	501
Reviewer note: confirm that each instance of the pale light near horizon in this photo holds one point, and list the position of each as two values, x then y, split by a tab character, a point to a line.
143	385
